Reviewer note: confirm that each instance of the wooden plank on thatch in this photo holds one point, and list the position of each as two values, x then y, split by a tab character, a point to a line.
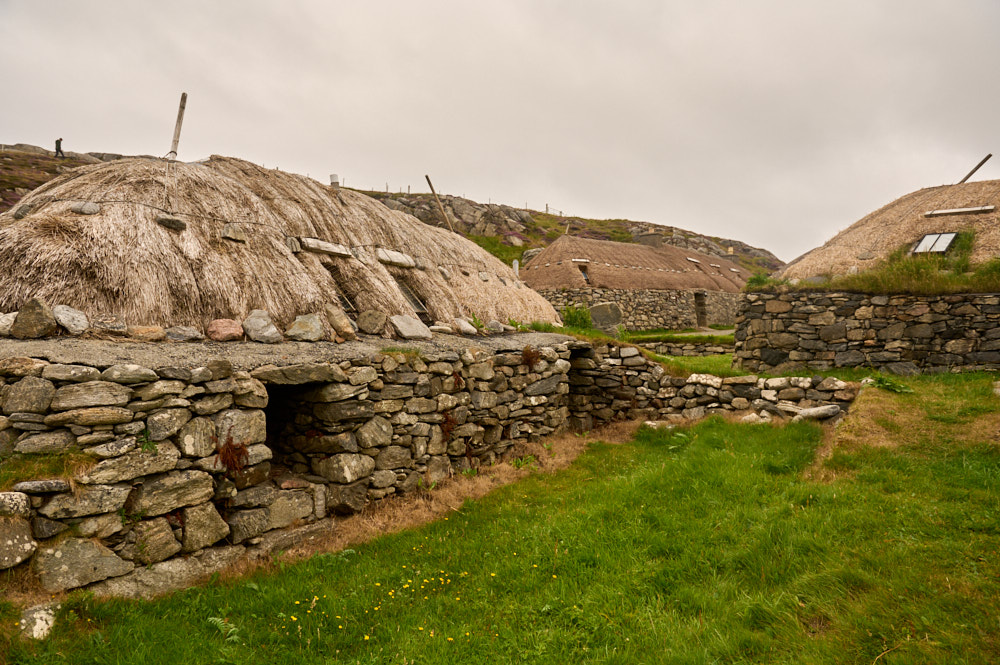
323	247
959	211
394	258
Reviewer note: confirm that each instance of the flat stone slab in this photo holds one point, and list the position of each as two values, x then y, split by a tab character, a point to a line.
170	575
138	462
17	357
408	327
16	541
87	500
177	489
76	562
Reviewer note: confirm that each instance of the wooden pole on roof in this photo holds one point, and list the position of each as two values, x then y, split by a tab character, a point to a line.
177	127
976	168
440	205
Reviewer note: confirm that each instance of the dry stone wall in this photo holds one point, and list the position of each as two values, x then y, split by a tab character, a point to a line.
612	382
902	334
650	309
686	348
176	472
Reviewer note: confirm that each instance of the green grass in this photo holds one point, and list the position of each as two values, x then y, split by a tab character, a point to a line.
653	337
905	274
700	545
719	365
16	467
495	246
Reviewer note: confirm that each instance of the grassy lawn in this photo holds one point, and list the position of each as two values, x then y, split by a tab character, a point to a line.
655	336
875	542
719	365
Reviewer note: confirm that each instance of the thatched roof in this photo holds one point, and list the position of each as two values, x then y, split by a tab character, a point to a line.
123	262
904	222
618	265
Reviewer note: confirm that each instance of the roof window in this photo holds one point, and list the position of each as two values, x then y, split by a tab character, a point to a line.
418	306
346	303
934	243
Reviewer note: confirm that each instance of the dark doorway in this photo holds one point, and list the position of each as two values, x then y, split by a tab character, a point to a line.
700	309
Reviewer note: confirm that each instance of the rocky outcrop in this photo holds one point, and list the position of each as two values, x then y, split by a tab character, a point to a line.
517	227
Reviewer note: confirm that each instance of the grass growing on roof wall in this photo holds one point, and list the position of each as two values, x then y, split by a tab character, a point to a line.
697	545
903	273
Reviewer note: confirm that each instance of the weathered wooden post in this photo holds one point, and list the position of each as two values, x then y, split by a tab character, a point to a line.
440	205
177	128
976	168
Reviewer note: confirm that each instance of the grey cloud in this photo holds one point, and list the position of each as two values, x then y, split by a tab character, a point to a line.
775	122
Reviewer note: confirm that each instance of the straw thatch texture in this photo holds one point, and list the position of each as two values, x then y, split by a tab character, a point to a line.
121	262
618	265
902	223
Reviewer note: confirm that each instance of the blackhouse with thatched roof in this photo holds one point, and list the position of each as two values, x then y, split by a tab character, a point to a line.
654	286
160	242
925	215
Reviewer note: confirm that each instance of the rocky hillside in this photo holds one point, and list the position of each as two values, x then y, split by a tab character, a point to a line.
511	233
24	167
508	233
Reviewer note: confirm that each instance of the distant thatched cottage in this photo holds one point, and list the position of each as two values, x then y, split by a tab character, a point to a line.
923	220
655	286
157	242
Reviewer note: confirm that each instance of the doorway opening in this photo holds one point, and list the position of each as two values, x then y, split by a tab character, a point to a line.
700	309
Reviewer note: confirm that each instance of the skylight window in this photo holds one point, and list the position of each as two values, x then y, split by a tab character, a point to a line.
692	260
934	243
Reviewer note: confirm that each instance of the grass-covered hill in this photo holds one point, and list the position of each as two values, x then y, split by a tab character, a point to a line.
22	170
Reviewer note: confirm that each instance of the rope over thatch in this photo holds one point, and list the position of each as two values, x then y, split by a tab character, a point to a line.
901	224
618	265
122	262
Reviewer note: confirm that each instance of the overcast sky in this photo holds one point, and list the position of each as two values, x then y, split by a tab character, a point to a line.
773	122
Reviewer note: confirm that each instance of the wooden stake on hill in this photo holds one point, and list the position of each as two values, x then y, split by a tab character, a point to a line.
975	169
177	128
440	205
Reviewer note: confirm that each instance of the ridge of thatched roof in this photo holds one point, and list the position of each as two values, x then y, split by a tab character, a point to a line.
902	223
225	244
619	265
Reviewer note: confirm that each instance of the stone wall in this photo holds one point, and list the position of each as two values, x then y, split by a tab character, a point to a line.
176	472
651	309
610	382
686	349
902	334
